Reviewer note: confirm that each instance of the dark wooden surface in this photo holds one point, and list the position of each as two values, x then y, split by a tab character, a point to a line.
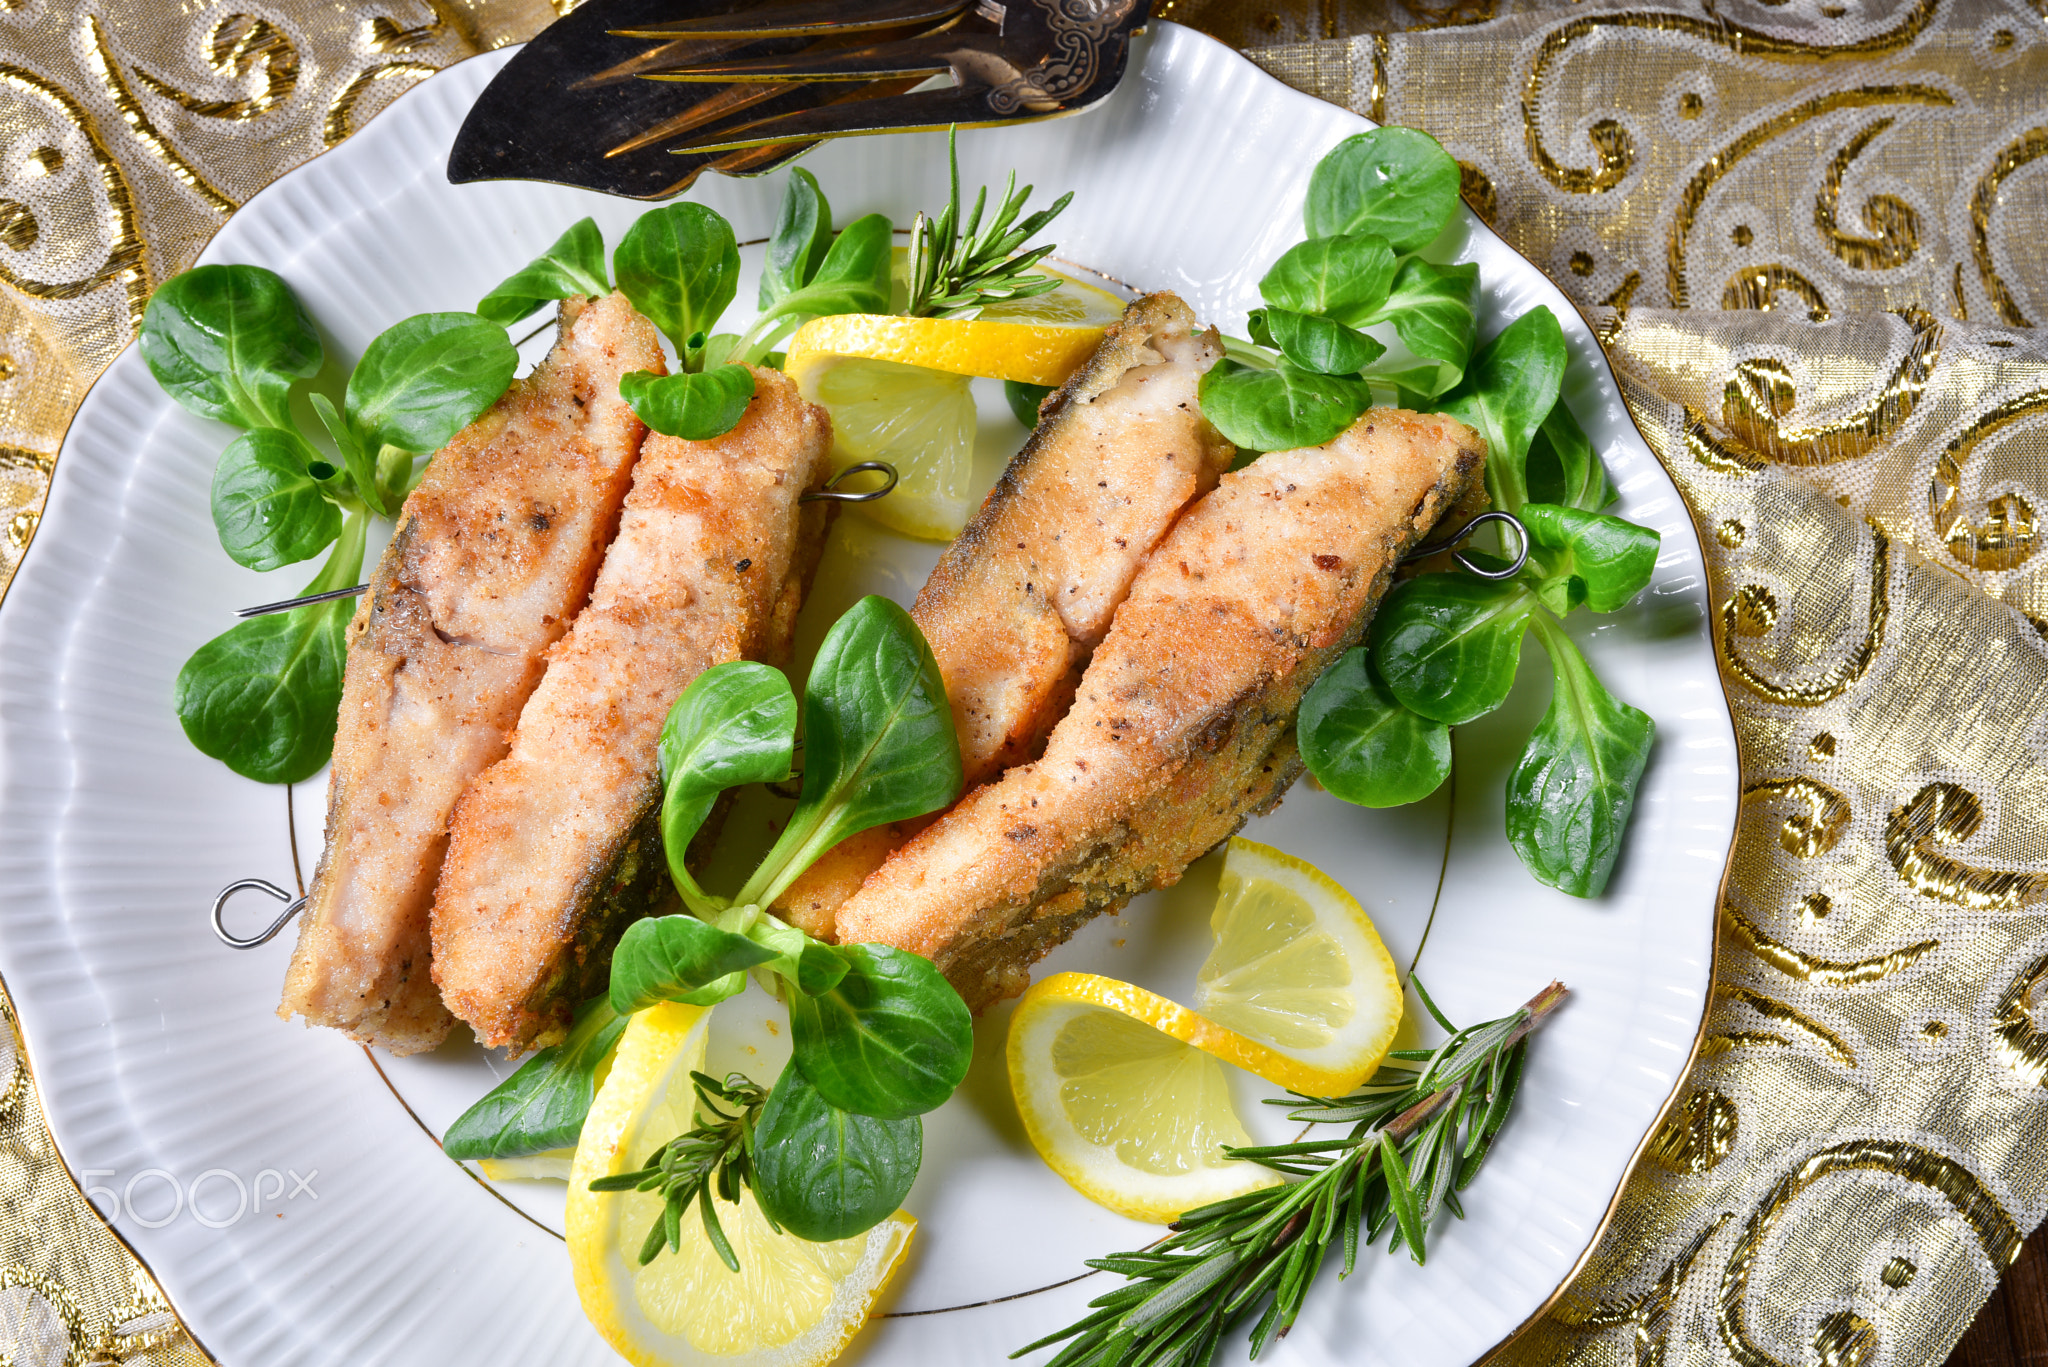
2012	1331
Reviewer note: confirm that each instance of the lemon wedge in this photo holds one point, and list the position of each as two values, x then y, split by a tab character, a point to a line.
1299	971
792	1304
897	389
1117	1100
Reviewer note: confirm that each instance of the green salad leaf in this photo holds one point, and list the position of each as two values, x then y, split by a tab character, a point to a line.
825	1174
1431	308
1571	793
426	378
227	342
803	234
573	265
878	741
542	1106
1390	182
1505	396
1282	408
1447	644
890	1039
695	407
1563	467
852	277
734	724
1315	343
269	504
1610	559
263	697
1024	400
1363	745
676	959
680	265
1347	277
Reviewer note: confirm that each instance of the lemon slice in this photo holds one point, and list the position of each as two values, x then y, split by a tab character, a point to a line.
1041	340
792	1304
920	421
549	1165
1298	970
1074	304
897	389
1118	1103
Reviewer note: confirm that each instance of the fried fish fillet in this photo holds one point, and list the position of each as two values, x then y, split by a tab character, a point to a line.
494	553
557	846
1023	596
1183	724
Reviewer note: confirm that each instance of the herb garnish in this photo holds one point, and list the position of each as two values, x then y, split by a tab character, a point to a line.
231	343
879	1036
713	1154
1418	1137
958	265
1375	729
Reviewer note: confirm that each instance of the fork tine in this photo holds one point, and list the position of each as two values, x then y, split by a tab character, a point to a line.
802	18
674	53
720	104
921	111
903	57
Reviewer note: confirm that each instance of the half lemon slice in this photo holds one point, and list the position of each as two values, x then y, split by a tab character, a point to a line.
1299	971
1121	1094
897	389
792	1303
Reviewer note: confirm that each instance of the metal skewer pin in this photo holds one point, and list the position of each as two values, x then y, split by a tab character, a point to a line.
831	493
284	917
1464	534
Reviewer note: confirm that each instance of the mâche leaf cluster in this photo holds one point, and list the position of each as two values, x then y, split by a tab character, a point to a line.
1309	370
1375	729
680	266
879	1037
233	343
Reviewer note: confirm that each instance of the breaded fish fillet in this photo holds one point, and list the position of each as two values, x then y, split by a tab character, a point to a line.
1183	724
557	846
494	553
1024	594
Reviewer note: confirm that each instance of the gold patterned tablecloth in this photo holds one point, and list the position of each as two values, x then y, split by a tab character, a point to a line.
1813	236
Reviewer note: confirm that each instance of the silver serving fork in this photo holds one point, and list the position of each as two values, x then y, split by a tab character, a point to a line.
1044	58
636	97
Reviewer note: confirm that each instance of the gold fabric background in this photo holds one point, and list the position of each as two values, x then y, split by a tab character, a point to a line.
1813	235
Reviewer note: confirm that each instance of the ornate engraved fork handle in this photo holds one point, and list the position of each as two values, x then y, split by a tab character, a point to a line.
1075	36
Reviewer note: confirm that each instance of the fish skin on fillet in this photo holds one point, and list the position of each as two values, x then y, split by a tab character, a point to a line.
557	847
494	554
1183	724
1025	593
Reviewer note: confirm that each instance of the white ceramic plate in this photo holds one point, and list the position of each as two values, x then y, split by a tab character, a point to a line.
284	1185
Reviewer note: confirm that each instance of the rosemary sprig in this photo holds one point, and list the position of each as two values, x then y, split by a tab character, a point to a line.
956	268
1418	1137
716	1154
